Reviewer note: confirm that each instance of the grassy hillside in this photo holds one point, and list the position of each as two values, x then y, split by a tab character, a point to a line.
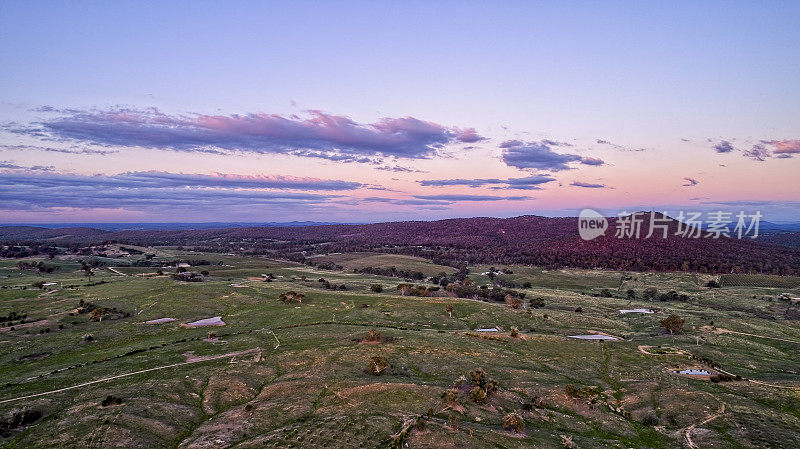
295	375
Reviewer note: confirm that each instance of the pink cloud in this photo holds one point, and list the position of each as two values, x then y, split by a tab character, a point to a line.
785	146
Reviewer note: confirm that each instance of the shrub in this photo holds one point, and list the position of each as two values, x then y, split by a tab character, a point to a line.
536	303
18	420
377	365
514	332
605	293
713	284
588	393
96	314
514	302
631	294
514	422
527	285
449	309
673	323
111	400
450	396
372	335
651	420
579	309
490	387
567	443
716	378
478	377
478	395
292	297
377	288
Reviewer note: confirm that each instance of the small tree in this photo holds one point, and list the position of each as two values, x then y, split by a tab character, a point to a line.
478	395
631	294
514	302
450	396
673	323
373	335
514	422
449	309
377	365
97	314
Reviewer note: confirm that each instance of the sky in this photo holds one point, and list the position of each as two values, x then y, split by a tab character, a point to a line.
384	111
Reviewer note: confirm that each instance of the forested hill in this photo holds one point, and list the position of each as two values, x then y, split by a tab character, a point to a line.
529	239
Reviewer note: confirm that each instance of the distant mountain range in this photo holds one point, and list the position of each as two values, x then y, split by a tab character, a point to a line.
171	226
527	239
765	226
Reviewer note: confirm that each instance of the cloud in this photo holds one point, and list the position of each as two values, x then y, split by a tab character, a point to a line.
525	183
399	169
462	197
5	166
690	182
588	185
159	190
591	161
724	147
784	146
782	149
468	135
539	156
57	150
157	179
408	202
616	146
759	153
332	135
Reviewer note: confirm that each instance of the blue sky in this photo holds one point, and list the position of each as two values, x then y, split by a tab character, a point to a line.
649	90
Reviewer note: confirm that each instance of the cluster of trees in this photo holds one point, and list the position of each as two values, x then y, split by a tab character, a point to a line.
328	286
651	294
18	252
291	297
40	266
391	272
13	316
175	262
468	289
415	290
187	276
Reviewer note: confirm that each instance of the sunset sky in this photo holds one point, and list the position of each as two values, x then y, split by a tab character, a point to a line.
383	111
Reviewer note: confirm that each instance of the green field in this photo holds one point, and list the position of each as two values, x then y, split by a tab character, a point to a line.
293	375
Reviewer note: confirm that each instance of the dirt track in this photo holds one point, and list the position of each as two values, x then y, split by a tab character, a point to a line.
190	360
